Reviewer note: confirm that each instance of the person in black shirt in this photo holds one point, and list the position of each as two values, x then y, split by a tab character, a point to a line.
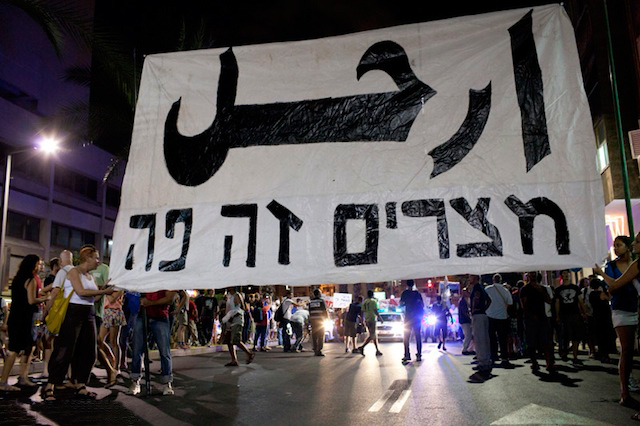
441	310
413	313
464	319
480	301
533	296
605	335
353	318
207	305
571	315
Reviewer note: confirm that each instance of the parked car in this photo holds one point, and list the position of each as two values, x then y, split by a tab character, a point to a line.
392	328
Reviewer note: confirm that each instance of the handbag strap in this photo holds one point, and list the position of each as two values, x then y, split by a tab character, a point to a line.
500	293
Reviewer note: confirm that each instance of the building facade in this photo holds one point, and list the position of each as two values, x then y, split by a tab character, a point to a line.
58	201
590	23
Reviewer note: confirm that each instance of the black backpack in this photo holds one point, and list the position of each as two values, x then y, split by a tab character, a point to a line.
257	314
279	315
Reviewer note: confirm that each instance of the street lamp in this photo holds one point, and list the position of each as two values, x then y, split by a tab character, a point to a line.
48	145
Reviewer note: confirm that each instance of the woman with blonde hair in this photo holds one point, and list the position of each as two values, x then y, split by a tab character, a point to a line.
76	343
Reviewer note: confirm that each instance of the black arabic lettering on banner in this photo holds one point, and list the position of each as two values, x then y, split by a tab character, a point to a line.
377	117
148	221
526	215
434	207
345	212
192	160
478	219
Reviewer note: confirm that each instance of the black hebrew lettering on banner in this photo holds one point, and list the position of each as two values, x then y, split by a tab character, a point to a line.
448	147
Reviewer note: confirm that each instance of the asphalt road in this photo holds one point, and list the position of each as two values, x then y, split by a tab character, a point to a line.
342	389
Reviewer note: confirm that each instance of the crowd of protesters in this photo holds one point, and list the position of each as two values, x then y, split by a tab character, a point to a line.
498	322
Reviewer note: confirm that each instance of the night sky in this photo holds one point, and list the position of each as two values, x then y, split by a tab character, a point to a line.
151	26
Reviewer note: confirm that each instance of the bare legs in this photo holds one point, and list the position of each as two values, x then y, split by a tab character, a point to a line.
24	370
626	334
106	355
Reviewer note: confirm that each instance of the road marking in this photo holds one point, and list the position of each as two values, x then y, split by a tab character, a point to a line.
540	415
397	406
380	403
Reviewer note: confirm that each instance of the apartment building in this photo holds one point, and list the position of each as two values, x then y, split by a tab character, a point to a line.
56	201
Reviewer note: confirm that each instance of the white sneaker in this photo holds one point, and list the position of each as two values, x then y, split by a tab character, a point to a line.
168	389
134	389
634	386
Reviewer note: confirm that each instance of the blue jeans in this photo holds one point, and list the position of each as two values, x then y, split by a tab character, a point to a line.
261	336
160	330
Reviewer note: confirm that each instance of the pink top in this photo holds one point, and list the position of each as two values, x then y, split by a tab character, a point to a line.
116	304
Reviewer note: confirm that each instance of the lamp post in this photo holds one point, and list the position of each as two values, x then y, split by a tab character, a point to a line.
48	146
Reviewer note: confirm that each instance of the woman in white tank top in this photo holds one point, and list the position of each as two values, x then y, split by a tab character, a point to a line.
76	343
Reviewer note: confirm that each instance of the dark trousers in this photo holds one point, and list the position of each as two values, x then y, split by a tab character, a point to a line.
207	330
298	330
409	326
286	338
498	334
317	335
261	336
75	346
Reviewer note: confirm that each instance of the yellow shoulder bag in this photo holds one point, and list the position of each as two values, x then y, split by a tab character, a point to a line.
58	311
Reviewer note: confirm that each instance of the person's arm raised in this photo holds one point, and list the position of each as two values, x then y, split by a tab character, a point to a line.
626	278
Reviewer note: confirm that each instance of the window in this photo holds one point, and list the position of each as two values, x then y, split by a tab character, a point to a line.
23	227
107	244
71	181
113	197
70	238
602	155
30	166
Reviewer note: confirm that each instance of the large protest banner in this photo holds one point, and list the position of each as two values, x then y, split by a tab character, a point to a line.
448	147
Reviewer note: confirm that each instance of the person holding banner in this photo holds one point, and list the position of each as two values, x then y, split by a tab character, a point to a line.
156	312
76	342
624	310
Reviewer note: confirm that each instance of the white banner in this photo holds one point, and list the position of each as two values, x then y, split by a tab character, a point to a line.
342	300
448	147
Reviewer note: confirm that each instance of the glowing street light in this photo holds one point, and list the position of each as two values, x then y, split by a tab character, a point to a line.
48	145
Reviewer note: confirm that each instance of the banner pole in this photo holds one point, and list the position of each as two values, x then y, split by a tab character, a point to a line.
145	332
616	110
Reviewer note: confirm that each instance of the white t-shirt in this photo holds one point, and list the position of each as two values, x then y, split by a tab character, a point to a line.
286	308
87	284
500	299
547	306
61	276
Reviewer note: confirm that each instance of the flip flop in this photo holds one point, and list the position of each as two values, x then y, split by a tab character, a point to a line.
251	357
636	416
231	364
48	395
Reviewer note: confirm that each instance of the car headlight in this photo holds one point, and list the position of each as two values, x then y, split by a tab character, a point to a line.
397	328
328	324
431	320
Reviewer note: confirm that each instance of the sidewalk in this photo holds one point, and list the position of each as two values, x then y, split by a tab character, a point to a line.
37	366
